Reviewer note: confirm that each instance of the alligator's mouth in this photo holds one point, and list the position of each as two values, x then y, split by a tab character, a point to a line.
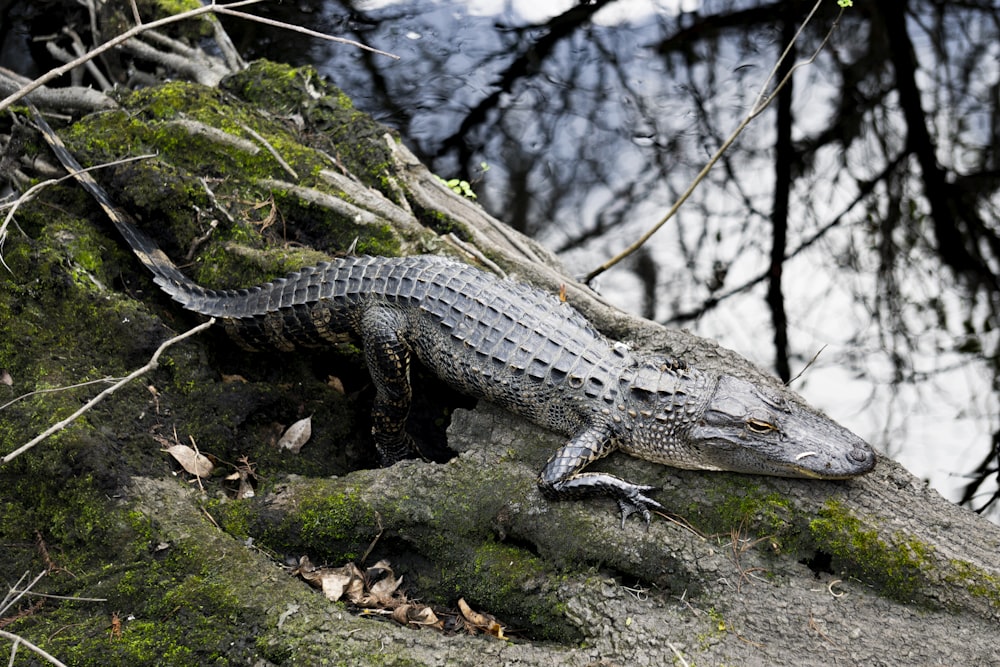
859	461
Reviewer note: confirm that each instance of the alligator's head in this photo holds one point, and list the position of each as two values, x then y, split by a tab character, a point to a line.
731	424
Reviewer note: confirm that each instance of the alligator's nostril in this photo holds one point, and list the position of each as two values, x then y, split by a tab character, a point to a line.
860	454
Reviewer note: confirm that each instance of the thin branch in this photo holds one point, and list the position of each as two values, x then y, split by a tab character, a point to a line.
762	102
112	43
806	367
212	8
30	193
18	640
153	363
270	149
68	598
54	390
224	9
9	601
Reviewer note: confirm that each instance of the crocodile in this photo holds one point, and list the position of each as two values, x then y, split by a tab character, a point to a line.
522	348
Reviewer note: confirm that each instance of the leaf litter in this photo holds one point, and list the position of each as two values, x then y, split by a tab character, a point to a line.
376	590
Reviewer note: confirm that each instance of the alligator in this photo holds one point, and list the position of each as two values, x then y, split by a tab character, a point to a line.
522	348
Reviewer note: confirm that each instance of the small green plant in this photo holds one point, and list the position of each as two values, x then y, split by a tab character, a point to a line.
461	186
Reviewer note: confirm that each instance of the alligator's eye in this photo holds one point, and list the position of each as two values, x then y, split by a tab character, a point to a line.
760	426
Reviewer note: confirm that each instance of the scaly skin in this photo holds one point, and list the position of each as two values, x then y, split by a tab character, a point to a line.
522	348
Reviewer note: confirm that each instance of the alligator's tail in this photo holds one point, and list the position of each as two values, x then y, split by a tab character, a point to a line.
231	304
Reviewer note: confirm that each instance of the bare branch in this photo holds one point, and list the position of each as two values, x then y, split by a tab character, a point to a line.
153	363
763	100
68	98
224	9
112	43
18	640
30	193
229	9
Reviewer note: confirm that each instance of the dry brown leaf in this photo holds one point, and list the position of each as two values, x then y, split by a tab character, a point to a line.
377	590
480	621
356	589
193	462
335	582
382	593
296	435
246	488
416	614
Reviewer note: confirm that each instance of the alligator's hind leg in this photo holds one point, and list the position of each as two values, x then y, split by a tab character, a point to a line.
388	359
561	477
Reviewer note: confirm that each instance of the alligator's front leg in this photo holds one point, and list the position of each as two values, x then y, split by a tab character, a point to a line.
561	477
388	358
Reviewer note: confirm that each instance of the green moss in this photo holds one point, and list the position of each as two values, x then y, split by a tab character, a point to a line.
177	6
334	528
353	138
236	517
164	614
769	513
506	579
897	563
978	582
171	186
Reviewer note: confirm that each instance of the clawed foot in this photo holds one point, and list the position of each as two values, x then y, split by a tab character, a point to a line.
630	497
636	503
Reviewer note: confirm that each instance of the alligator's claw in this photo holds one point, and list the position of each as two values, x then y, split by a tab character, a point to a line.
636	503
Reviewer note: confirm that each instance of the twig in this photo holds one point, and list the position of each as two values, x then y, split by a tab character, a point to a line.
153	363
112	43
33	190
270	149
806	367
18	640
225	9
9	601
211	8
475	253
678	655
68	598
53	390
762	102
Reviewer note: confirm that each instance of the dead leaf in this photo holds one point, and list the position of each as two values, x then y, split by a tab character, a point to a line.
246	488
483	622
335	582
416	614
377	590
193	462
6	379
382	585
296	435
